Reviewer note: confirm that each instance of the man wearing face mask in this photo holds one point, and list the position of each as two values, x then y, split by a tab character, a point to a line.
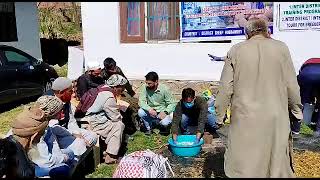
156	103
110	68
91	79
191	110
62	88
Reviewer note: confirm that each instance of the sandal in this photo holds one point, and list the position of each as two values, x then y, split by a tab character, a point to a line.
109	160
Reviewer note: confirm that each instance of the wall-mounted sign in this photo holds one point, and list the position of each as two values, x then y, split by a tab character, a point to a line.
205	21
299	15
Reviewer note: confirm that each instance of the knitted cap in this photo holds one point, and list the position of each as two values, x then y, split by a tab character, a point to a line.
61	83
116	80
50	105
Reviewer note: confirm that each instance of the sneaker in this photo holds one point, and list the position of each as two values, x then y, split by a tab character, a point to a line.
295	134
313	123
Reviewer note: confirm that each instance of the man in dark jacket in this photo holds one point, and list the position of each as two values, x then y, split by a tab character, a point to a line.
110	68
191	110
309	82
91	79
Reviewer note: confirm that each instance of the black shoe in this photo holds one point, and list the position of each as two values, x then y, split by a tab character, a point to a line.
214	133
164	130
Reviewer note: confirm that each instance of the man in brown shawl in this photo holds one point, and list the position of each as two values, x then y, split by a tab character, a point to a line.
259	81
33	121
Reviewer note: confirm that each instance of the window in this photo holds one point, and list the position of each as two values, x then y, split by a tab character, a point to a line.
8	30
162	21
14	57
132	22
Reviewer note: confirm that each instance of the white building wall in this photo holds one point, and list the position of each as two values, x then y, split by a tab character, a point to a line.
27	29
182	61
75	62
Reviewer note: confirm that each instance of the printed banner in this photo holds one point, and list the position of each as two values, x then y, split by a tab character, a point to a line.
299	15
207	21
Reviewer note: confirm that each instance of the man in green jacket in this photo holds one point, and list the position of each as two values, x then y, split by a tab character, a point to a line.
156	103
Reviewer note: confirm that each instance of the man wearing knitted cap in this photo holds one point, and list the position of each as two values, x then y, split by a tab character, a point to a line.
90	79
259	80
105	118
62	88
30	129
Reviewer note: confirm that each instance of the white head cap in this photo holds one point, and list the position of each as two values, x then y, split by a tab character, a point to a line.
93	65
61	83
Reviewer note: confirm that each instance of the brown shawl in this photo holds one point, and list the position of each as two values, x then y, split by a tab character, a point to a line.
28	124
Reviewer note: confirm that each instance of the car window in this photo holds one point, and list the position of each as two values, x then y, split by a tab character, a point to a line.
14	57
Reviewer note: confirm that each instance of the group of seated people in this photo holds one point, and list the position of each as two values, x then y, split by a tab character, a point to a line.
54	139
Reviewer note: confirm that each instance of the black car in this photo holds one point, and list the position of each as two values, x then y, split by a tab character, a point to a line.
22	76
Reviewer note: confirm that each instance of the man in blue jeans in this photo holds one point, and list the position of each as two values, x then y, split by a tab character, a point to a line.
309	82
156	104
191	111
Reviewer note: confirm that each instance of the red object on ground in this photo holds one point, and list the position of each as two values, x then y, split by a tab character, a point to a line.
310	61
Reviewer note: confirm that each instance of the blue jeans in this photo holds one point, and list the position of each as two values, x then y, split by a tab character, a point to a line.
149	122
57	170
185	121
309	82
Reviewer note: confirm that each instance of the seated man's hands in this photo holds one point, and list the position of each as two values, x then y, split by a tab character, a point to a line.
198	136
153	113
162	115
68	155
215	58
78	136
88	144
174	138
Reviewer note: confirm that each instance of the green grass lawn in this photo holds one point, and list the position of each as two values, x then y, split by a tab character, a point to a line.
305	130
7	117
139	142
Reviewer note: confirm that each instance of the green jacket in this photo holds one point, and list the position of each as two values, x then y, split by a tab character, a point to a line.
160	100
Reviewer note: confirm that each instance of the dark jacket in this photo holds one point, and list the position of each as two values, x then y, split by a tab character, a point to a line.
14	161
197	114
86	82
128	86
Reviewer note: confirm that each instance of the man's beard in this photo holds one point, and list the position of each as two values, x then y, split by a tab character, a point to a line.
151	88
